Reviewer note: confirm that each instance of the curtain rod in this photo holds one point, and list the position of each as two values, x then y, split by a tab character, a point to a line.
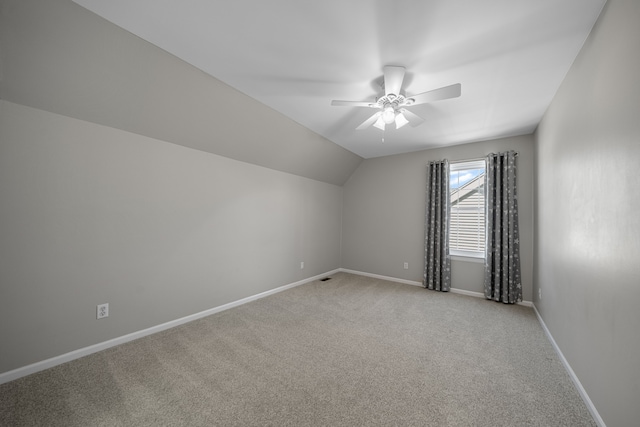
474	160
468	160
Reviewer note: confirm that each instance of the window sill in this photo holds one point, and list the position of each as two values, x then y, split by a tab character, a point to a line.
468	258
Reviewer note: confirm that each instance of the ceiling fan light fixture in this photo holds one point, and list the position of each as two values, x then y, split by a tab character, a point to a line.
379	123
401	120
388	115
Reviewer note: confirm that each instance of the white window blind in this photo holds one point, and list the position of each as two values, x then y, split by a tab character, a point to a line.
467	205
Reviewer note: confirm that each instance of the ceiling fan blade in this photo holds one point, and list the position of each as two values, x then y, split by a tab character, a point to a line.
414	119
446	92
354	104
371	120
393	77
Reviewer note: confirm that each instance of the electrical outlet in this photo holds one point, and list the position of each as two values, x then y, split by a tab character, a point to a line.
102	311
539	293
301	265
406	265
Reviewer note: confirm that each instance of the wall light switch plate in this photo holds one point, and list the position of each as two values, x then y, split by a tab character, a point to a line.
406	265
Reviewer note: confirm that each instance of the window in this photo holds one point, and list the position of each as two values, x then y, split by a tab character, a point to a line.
467	216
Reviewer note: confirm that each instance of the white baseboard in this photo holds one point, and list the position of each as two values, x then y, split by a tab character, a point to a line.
583	393
378	276
414	283
76	354
465	292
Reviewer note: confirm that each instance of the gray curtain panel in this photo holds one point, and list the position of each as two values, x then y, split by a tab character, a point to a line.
502	281
437	262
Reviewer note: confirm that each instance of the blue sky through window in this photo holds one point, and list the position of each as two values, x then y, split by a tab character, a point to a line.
459	178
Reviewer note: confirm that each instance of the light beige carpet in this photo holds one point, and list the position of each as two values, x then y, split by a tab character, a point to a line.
351	351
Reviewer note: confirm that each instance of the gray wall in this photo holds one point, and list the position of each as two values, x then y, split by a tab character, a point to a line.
384	207
92	214
57	56
588	221
109	191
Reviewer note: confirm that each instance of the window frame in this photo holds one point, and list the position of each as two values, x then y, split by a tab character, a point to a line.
476	256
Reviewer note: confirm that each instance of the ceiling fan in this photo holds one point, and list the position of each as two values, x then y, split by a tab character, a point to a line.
393	104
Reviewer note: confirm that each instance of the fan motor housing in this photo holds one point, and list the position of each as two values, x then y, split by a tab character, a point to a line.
392	100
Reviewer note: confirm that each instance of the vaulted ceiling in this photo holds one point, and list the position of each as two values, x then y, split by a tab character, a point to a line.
296	56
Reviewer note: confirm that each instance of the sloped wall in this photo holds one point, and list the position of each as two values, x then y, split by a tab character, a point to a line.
59	57
129	177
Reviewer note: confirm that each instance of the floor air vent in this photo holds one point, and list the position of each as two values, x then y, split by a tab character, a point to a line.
325	279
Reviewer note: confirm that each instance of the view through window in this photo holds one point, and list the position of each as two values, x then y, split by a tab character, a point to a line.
467	216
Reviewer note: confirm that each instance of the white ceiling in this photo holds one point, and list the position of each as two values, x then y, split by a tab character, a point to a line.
296	56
